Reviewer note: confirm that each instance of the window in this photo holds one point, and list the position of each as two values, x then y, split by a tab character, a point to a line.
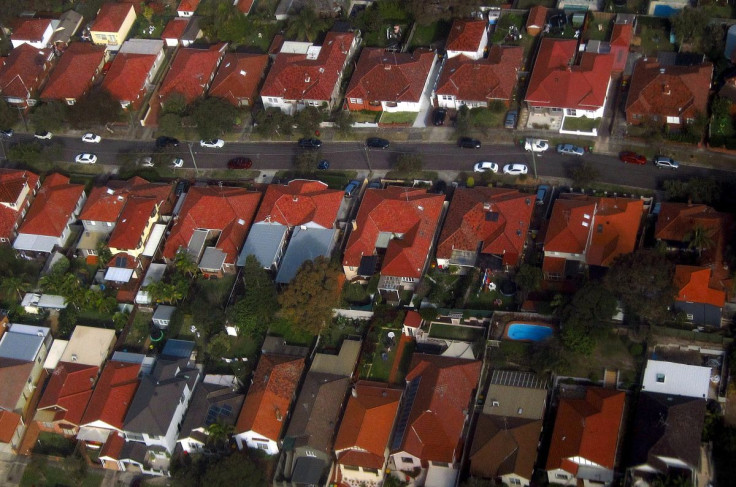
690	317
673	120
262	446
441	464
447	97
572	113
351	467
109	224
3	239
358	100
561	476
660	378
134	436
407	459
374	471
515	481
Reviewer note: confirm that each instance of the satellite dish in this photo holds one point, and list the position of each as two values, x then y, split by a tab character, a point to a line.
391	334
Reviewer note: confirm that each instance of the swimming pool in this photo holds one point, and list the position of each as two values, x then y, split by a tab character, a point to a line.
528	332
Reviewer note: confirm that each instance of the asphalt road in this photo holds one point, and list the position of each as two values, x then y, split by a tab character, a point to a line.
353	155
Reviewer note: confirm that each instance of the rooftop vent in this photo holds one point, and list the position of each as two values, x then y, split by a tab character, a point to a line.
243	72
241	221
74	357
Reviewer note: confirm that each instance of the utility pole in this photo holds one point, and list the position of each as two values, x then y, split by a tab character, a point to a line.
534	162
194	161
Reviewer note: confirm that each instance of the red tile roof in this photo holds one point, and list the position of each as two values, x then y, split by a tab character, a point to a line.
466	35
106	203
493	78
269	397
9	422
245	6
13	376
393	77
113	446
412	319
295	77
175	28
126	79
437	416
620	40
111	17
188	6
12	184
54	204
693	286
366	425
75	71
411	212
668	91
133	221
537	17
191	71
30	30
467	223
113	393
227	209
23	71
239	76
69	390
301	202
566	232
554	83
587	428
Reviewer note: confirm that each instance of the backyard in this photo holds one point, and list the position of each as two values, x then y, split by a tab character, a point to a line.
598	29
425	35
340	328
456	332
41	471
139	332
653	35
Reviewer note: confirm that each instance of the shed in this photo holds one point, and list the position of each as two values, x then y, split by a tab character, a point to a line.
162	316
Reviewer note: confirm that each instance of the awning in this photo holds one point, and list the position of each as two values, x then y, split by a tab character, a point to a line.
95	435
154	239
118	274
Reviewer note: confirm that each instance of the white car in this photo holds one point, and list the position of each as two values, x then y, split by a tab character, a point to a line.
515	169
45	135
213	143
147	162
85	158
536	145
91	138
178	162
485	166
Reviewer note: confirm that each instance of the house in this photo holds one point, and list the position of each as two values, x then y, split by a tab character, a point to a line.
566	83
586	437
295	223
133	70
477	83
238	78
361	444
589	231
112	24
163	315
666	437
23	73
181	31
426	448
701	303
306	453
412	323
75	73
34	32
267	406
34	303
89	345
467	38
69	23
191	72
486	227
55	208
307	75
393	234
670	95
677	379
621	36
109	403
506	437
222	214
215	401
18	187
536	20
187	8
390	82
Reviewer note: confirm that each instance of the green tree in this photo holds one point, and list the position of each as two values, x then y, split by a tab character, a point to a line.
306	161
218	434
49	116
699	238
237	469
30	153
11	285
8	115
169	124
462	121
344	121
697	190
104	255
529	278
95	108
185	264
409	162
308	300
689	25
273	121
214	117
584	174
175	103
306	25
307	121
592	303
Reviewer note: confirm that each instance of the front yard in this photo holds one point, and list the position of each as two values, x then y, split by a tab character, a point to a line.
401	118
581	124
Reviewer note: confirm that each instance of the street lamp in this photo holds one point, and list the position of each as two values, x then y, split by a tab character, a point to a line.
534	163
194	161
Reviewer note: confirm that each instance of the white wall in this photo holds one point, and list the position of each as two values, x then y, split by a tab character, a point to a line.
472	54
249	438
44	39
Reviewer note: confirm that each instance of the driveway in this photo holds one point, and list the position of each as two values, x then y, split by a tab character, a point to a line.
425	105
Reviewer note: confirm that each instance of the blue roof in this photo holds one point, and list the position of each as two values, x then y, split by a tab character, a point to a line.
178	349
305	244
264	242
21	346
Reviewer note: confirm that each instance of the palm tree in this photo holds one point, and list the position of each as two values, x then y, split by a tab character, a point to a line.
184	263
14	284
218	433
305	26
699	238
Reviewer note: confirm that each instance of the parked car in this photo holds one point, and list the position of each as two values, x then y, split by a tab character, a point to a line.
542	192
666	162
178	162
352	187
438	118
536	145
239	163
181	187
570	150
515	169
310	143
375	184
44	135
510	121
164	141
323	165
91	138
7	133
85	158
632	158
212	143
468	143
377	143
147	161
485	166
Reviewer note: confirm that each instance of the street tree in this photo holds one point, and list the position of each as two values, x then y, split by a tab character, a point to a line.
307	121
49	116
253	313
690	24
30	153
169	124
214	116
306	160
94	109
344	122
584	174
273	121
463	122
308	300
409	162
8	115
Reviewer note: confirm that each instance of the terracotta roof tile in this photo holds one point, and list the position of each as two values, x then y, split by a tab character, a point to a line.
467	223
126	79
493	78
621	35
113	446
12	184
54	204
106	203
24	71
113	393
238	77
69	390
30	30
175	28
191	71
466	35
413	319
295	77
411	212
693	286
13	376
133	220
111	17
188	6
301	202
245	6
75	71
537	17
391	77
9	422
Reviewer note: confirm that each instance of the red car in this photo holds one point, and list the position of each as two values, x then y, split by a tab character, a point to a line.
239	163
632	158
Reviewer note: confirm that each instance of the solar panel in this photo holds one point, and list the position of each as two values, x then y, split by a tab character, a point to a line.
411	392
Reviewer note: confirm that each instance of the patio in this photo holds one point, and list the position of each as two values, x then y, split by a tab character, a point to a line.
543	120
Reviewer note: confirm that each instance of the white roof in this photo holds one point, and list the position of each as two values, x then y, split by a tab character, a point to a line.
157	233
118	274
89	345
35	243
154	274
676	379
55	353
52	301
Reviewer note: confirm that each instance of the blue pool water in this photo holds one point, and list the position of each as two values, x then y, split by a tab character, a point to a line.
534	333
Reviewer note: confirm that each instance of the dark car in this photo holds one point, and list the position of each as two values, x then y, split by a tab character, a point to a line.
8	133
632	158
239	163
542	192
375	184
165	141
181	187
377	143
510	121
438	118
468	143
323	165
310	143
352	187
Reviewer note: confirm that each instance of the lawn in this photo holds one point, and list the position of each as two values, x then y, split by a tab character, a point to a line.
43	473
502	27
54	445
367	116
398	117
376	367
456	332
137	338
612	352
582	124
261	33
339	329
292	334
655	35
425	35
599	29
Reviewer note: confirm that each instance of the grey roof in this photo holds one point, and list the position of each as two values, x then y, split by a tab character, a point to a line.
516	394
20	346
177	349
213	259
305	244
142	46
196	243
69	23
163	312
264	242
308	471
277	345
128	357
211	403
340	364
157	397
191	33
